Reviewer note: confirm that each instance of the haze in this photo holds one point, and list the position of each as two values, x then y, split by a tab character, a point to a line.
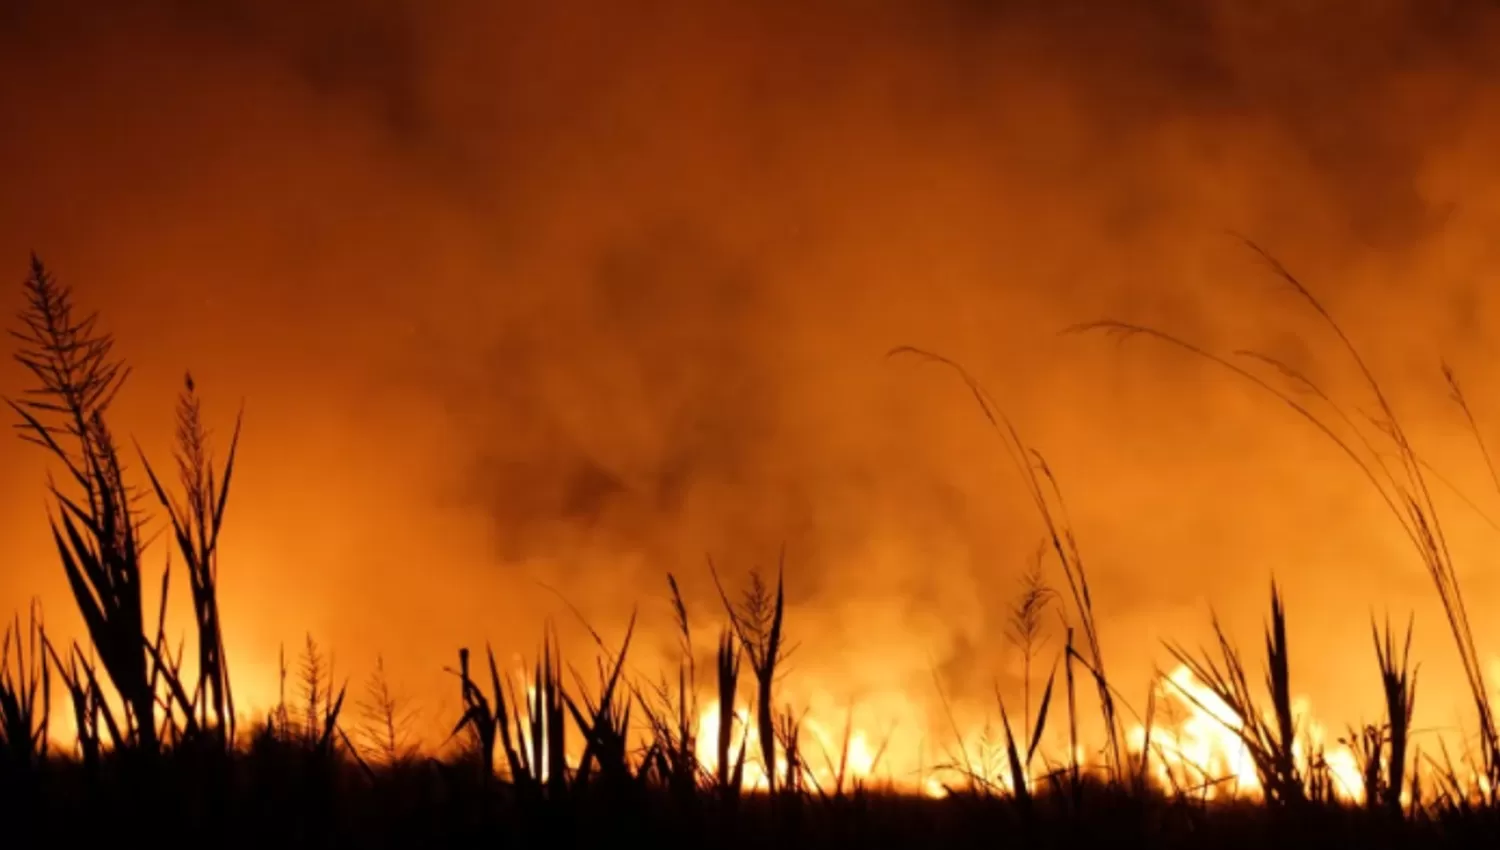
524	298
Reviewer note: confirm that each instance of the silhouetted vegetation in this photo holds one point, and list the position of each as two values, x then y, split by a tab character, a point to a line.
550	759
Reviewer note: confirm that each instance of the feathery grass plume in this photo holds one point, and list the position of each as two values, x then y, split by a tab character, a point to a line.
25	697
98	535
1270	743
315	687
77	378
1046	496
321	704
196	523
757	621
385	721
1025	631
1400	481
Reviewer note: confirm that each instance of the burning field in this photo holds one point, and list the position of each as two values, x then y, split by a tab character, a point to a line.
862	422
722	742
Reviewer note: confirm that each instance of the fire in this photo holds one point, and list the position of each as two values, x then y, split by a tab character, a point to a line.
860	757
1193	745
1196	745
823	751
1203	748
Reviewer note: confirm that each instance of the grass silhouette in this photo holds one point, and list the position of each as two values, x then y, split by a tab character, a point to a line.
158	757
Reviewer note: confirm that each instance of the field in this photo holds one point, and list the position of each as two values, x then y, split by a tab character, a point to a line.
563	758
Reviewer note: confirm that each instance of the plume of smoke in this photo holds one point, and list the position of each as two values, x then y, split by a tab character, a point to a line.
537	294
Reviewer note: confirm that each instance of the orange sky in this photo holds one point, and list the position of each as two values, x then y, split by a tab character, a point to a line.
574	294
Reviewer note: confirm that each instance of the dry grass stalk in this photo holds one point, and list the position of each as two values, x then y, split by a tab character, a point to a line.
757	621
196	524
673	751
730	778
98	533
1382	451
386	720
1046	496
98	530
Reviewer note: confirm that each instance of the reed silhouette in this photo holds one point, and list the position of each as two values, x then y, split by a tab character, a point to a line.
158	755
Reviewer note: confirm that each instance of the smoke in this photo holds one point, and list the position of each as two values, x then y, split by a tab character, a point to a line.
524	298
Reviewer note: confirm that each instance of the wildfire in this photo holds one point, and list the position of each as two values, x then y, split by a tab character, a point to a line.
1192	746
826	756
1197	745
1194	742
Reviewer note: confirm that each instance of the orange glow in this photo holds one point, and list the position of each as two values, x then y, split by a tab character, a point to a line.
530	304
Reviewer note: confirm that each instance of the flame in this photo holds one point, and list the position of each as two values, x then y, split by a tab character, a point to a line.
1194	745
1197	746
1203	749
